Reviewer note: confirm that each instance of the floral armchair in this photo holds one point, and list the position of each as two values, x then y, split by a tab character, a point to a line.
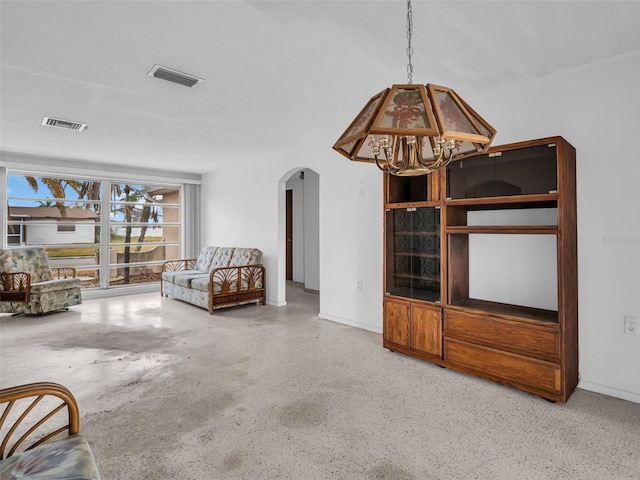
29	285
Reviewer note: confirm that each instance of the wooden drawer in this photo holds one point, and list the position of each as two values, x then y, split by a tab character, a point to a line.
513	368
516	337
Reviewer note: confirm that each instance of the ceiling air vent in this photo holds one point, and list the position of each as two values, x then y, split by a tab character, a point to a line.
66	124
174	76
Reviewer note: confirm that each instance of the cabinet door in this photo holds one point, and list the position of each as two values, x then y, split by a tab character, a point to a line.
412	260
396	322
523	171
426	330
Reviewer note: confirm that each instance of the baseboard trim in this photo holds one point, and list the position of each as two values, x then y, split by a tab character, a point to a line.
120	291
276	304
350	323
610	391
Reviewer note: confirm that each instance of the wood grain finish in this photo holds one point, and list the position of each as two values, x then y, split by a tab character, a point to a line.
527	348
413	328
514	368
396	322
538	341
39	425
426	329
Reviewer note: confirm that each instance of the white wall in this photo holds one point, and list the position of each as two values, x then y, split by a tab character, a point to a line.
516	269
596	109
242	208
311	230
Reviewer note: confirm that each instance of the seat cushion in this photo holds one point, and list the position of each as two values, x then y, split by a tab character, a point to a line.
172	276
186	280
55	285
69	458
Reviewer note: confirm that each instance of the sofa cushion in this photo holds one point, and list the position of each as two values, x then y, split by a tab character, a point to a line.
55	285
200	283
186	280
246	256
171	276
203	262
68	458
221	258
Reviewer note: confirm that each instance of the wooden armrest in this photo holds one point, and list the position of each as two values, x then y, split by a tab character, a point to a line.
16	286
31	410
227	277
63	272
183	264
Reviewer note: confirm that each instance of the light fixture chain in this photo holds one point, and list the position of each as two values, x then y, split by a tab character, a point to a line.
409	47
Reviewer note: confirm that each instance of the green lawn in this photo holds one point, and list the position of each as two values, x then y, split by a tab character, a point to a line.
91	251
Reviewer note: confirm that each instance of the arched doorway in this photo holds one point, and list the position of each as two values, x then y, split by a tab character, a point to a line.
299	232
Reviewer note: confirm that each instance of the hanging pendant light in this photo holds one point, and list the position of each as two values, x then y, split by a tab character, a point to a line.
410	130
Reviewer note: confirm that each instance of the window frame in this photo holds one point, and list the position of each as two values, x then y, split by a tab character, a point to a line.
103	223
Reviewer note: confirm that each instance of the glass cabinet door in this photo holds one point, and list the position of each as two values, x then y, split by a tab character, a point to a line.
413	253
526	171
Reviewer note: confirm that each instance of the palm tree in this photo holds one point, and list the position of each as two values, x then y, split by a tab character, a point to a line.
56	187
135	208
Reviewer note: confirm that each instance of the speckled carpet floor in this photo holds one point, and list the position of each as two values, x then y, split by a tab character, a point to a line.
260	392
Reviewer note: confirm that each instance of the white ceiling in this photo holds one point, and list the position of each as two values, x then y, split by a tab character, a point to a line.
281	77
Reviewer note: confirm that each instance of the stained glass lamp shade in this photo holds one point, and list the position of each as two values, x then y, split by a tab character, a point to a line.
413	130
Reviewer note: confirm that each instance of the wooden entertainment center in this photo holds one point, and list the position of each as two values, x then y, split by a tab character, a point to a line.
480	266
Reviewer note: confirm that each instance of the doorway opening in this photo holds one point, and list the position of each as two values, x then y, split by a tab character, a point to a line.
301	235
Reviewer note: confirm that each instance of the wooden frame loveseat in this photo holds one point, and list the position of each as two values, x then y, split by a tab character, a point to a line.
219	277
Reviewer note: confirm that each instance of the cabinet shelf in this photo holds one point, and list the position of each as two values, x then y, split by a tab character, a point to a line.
513	201
506	229
419	294
417	234
404	205
410	276
413	255
524	314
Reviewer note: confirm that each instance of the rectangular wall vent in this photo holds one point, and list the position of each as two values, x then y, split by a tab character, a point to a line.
174	76
66	124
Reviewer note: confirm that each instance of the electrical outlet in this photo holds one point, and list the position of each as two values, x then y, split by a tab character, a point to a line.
631	326
359	285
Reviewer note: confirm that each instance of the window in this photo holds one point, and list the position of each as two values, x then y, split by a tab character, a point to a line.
14	233
66	216
144	227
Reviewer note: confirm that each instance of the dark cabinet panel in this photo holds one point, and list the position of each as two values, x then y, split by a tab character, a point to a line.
413	253
408	189
526	171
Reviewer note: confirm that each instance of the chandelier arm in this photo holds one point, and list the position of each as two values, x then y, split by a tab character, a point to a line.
433	166
438	162
449	159
378	164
